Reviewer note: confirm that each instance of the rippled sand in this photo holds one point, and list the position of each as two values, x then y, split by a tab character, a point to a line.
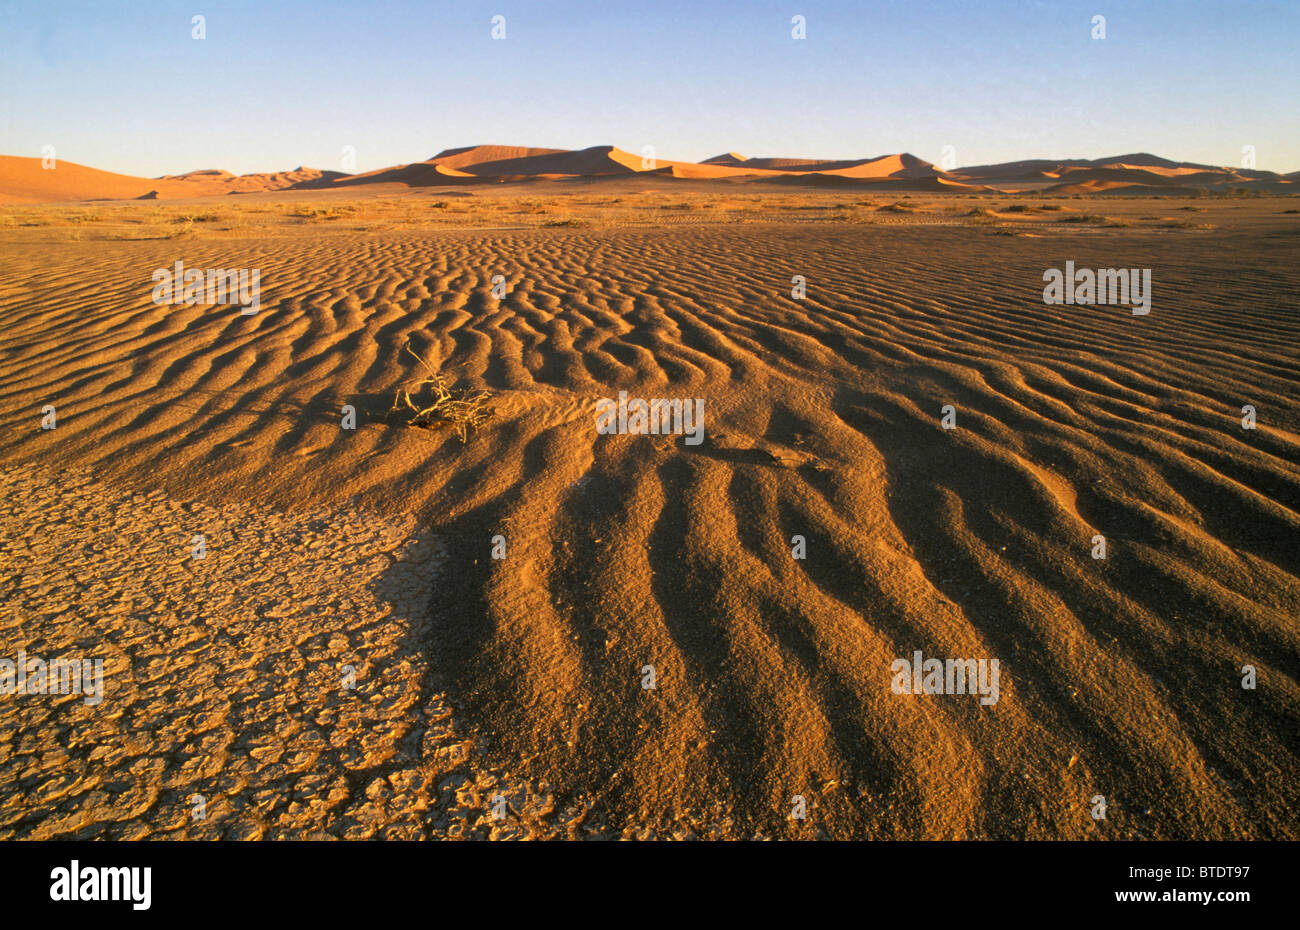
1119	678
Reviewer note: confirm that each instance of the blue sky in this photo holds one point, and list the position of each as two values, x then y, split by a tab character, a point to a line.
122	86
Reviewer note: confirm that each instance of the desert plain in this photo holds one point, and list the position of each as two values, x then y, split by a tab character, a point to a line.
396	633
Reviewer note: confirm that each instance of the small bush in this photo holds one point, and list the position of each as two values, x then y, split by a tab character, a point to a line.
1083	218
323	213
431	404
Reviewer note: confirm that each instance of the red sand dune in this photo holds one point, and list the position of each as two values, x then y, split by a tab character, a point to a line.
23	180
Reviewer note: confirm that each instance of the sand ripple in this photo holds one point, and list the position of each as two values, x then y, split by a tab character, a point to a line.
1120	677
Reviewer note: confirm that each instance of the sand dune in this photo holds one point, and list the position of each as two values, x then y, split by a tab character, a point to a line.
901	165
475	155
832	179
1137	173
595	161
708	171
1120	677
23	181
503	163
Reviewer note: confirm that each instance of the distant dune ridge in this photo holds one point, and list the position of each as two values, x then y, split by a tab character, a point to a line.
24	180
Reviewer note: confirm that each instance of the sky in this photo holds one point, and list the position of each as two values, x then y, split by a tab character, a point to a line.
123	86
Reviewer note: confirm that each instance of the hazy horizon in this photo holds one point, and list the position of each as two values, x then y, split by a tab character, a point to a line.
129	90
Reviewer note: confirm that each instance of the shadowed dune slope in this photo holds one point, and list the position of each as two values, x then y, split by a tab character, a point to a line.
1119	677
474	155
499	161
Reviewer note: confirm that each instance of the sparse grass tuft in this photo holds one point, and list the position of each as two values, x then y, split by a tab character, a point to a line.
196	218
1083	218
982	216
323	213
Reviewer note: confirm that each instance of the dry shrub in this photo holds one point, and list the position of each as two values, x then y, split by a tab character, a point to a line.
333	212
432	404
